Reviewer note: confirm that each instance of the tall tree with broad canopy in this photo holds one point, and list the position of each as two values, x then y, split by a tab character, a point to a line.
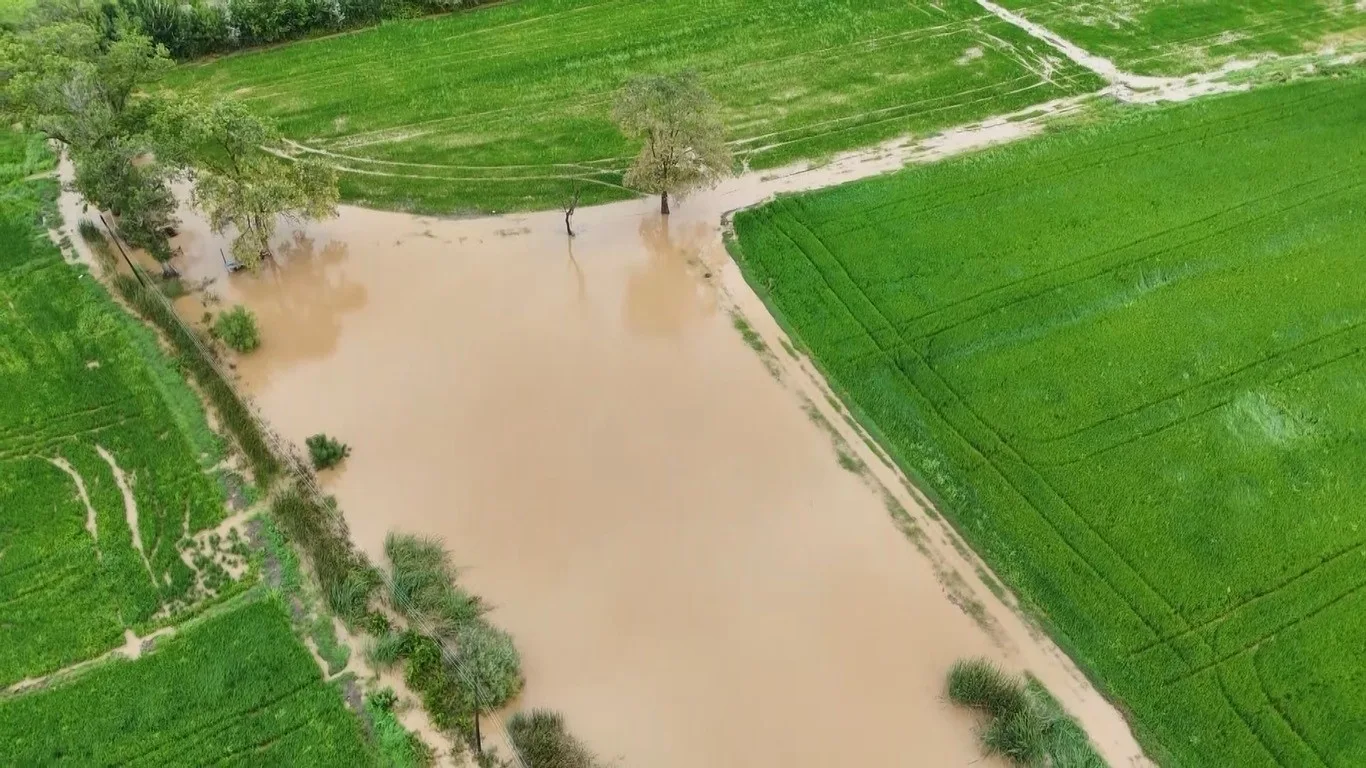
77	76
237	183
684	142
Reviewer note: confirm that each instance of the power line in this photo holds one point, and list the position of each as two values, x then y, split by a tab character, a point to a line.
318	496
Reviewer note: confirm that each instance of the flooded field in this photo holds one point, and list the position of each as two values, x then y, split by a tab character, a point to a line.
692	577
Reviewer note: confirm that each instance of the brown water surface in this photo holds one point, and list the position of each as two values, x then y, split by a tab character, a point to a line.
692	578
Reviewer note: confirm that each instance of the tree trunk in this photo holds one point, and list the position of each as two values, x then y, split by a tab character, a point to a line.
664	203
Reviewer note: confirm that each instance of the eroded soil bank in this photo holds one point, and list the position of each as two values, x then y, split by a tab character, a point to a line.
692	577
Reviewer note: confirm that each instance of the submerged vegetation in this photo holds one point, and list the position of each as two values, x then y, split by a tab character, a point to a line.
326	452
542	741
1132	387
1022	723
237	328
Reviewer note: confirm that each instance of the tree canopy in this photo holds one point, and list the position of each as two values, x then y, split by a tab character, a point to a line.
684	142
237	184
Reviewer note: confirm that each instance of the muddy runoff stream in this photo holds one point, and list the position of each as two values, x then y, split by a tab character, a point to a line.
691	576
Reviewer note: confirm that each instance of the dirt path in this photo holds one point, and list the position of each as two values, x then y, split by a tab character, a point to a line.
1127	86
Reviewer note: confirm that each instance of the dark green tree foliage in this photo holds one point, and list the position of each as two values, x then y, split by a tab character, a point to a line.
237	184
201	27
77	79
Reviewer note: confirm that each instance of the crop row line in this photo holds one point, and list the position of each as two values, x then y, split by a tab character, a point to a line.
985	454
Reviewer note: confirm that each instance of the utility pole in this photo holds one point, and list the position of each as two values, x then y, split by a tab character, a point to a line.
115	238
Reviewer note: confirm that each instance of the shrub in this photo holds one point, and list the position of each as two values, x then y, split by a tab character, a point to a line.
90	232
981	685
350	598
325	451
422	584
490	665
237	328
1021	736
388	649
542	741
173	288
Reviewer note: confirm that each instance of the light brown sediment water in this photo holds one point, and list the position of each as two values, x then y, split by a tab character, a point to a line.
692	578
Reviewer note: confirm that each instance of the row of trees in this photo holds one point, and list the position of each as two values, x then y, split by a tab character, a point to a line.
83	78
202	27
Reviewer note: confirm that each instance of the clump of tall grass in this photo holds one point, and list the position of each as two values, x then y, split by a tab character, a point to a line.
387	650
979	684
422	585
457	662
1023	723
350	598
542	741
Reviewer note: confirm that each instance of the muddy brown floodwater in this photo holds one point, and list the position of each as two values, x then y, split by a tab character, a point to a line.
692	578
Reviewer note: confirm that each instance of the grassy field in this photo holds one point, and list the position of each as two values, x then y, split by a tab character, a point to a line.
89	405
507	107
237	689
1127	360
1175	38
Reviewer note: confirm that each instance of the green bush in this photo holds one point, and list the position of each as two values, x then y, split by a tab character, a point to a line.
1021	736
543	742
422	584
350	598
237	328
981	685
491	668
326	452
386	650
90	232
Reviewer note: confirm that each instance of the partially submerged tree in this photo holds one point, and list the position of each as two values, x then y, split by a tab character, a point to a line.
237	183
684	141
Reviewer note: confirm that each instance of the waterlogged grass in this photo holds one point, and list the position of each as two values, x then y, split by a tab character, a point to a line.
237	689
88	402
1166	38
508	107
1127	362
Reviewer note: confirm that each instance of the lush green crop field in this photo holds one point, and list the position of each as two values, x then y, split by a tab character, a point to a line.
1160	37
237	689
1128	360
509	106
80	377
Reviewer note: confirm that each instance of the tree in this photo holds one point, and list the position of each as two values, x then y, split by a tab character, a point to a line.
684	141
237	183
75	75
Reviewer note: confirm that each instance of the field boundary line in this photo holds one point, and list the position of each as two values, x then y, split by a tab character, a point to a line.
984	455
